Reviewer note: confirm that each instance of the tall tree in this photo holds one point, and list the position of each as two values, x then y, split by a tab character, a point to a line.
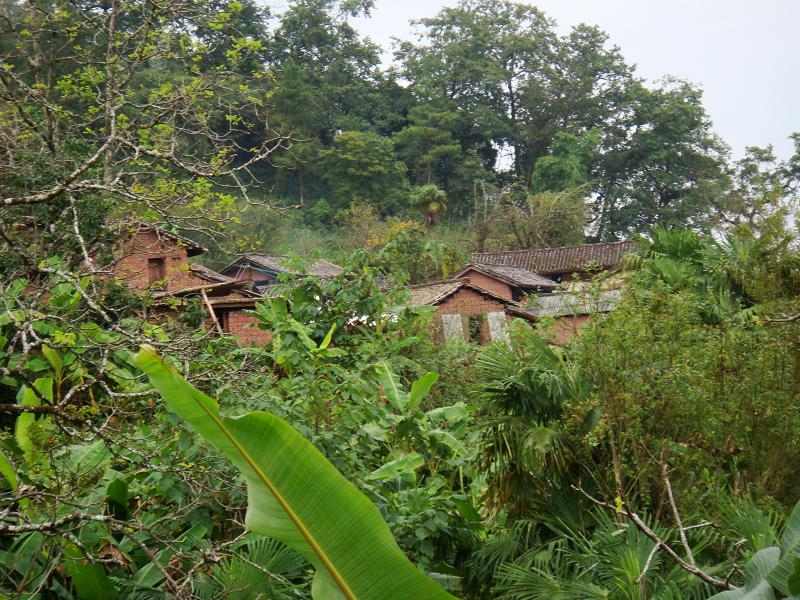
660	164
435	146
326	79
503	64
363	168
109	109
763	195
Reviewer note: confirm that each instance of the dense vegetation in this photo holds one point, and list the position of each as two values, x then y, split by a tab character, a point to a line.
653	456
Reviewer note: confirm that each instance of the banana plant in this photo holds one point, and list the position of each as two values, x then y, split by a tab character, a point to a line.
405	408
297	496
772	572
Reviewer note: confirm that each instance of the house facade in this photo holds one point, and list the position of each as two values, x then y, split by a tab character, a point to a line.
512	283
465	311
149	258
571	310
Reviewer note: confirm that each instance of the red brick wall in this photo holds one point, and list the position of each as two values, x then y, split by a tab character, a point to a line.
243	326
489	283
131	266
468	302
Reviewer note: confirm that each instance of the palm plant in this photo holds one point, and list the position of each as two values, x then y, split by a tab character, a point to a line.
526	388
257	568
430	201
610	560
724	274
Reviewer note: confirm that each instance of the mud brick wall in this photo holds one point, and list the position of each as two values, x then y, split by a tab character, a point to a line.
489	283
468	302
243	326
131	268
566	328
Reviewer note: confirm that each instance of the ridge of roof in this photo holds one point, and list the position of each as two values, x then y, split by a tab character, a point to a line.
444	288
564	259
134	226
517	276
223	286
207	273
573	303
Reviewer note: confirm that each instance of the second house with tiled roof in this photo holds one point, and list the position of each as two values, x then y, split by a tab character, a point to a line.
264	270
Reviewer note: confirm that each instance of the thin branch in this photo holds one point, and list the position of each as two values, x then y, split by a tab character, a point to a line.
676	514
642	526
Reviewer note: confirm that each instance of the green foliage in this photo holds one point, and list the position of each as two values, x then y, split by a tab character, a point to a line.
664	172
197	113
568	165
296	498
256	566
542	220
527	389
363	167
772	569
419	255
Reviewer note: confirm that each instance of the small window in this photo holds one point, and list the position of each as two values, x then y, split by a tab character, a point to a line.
475	329
224	320
156	270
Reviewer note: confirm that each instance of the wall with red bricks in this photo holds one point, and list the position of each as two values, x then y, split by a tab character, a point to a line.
469	302
489	283
131	266
243	326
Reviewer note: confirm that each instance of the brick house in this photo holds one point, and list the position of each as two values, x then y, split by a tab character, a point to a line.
465	311
151	259
532	284
571	310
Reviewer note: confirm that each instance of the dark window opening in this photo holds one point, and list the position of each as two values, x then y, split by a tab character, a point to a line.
156	270
475	328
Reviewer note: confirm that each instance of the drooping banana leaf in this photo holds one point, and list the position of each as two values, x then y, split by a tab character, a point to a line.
44	386
7	471
296	496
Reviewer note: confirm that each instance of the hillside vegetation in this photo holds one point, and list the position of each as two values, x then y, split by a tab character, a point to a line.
655	455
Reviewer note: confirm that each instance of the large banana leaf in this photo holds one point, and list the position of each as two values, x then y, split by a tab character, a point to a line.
296	496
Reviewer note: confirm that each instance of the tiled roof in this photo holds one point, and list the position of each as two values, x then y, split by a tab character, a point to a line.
323	268
431	294
382	283
203	272
549	261
211	289
276	264
516	276
566	304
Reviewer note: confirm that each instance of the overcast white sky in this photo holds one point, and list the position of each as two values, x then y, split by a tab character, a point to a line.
744	53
